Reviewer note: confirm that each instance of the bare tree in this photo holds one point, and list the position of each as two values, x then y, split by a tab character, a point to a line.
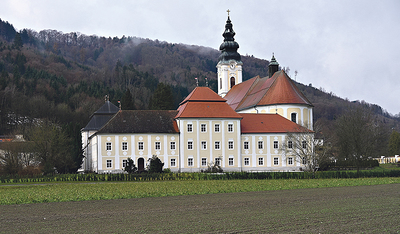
16	155
359	136
52	147
307	148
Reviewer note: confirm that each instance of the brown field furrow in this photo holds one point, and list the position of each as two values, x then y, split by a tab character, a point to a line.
371	209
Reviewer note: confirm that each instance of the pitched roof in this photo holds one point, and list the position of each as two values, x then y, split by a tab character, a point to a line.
101	116
107	108
269	123
142	121
279	89
202	102
203	94
206	110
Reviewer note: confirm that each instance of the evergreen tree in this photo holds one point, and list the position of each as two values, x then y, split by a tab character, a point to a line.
162	98
130	166
156	166
127	102
18	41
73	133
394	143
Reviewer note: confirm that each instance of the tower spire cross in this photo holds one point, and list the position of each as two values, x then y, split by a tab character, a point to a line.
228	11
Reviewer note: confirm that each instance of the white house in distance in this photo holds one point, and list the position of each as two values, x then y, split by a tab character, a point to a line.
242	128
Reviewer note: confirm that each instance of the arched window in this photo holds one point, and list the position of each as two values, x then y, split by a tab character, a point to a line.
232	81
294	117
220	83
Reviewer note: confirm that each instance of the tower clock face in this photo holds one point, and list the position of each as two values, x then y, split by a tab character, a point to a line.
232	65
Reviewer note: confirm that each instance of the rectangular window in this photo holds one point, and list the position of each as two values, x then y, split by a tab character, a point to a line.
216	145
304	160
290	144
216	127
124	146
204	162
173	145
140	145
204	145
190	162
218	161
290	161
230	145
260	145
230	161
246	161
190	127
230	127
124	163
294	117
157	145
203	127
109	163
108	146
190	145
260	161
276	161
246	145
304	144
275	144
173	162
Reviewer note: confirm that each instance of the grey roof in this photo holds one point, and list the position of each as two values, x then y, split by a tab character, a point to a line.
101	116
142	121
107	108
96	122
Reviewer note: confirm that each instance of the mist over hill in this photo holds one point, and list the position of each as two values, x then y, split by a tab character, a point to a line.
65	76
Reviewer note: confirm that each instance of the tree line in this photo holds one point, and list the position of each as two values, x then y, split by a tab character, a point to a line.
62	78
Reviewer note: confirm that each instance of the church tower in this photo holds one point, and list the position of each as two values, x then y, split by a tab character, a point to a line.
273	66
229	62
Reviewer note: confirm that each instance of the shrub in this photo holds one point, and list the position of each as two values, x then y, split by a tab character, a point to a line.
130	166
213	168
155	166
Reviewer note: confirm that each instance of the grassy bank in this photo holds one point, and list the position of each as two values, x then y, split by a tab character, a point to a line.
91	177
59	192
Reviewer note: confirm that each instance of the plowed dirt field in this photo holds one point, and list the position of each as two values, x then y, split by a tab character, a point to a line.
361	209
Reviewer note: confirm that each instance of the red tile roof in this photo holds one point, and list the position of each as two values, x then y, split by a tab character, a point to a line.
283	91
239	92
203	94
269	123
279	89
206	110
202	102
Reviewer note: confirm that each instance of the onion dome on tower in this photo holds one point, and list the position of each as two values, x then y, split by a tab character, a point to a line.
229	47
229	62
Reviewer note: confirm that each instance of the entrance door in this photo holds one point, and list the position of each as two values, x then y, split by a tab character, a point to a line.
140	163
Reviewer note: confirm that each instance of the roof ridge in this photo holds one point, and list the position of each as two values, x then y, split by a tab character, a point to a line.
298	92
120	111
202	94
256	80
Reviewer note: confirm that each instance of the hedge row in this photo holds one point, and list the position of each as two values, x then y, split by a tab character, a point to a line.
200	176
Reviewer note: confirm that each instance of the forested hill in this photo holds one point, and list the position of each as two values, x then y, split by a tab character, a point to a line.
65	76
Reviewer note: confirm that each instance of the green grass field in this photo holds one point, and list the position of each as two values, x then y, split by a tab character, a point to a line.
61	192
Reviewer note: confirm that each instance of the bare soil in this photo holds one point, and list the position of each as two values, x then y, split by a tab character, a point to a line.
361	209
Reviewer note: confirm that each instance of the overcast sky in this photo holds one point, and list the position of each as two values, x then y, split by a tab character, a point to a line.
348	47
